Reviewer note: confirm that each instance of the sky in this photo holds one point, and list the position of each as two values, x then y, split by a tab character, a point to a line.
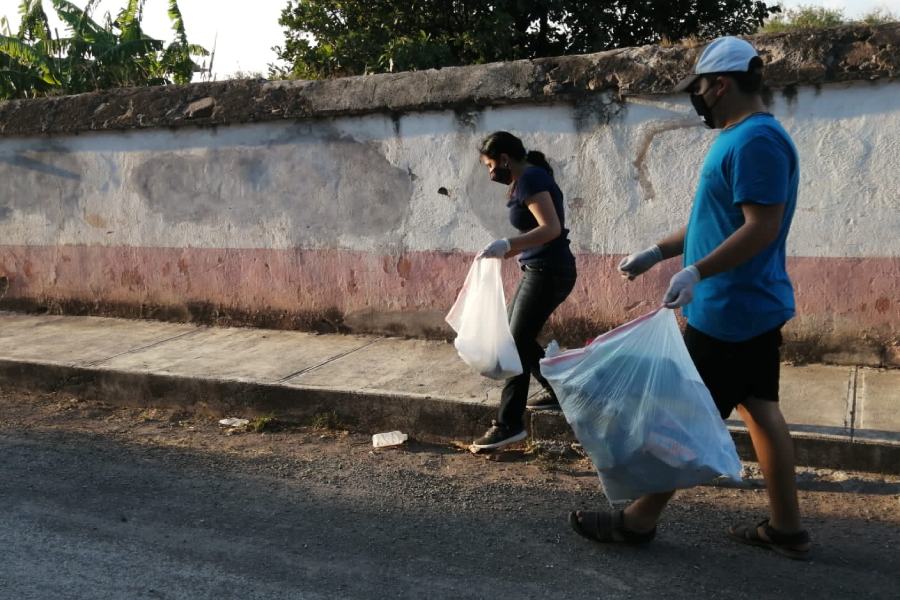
243	32
851	8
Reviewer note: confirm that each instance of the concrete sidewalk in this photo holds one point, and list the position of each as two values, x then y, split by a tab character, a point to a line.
842	417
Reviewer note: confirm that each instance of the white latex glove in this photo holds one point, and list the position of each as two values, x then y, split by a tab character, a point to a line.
681	287
635	264
496	249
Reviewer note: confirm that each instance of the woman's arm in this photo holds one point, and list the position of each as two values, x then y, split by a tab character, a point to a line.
541	206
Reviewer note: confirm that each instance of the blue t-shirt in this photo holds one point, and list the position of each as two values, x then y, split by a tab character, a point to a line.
555	253
754	161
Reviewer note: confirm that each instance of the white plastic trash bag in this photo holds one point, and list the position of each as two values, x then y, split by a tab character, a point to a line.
639	408
478	317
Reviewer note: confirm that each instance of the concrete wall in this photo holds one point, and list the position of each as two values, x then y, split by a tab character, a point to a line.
368	222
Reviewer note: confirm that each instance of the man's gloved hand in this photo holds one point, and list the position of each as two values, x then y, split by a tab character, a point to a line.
496	249
635	264
681	287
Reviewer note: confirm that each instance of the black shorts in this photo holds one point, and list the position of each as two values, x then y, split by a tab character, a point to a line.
735	371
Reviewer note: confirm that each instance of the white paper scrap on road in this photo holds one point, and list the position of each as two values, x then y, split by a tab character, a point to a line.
233	422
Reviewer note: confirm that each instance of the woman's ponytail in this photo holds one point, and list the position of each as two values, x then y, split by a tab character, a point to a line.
539	160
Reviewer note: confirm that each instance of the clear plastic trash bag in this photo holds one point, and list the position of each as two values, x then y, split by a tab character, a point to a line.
483	339
639	408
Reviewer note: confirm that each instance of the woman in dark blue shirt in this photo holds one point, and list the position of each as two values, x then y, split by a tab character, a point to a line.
536	210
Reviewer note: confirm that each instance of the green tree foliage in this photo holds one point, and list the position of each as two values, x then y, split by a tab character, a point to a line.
879	16
817	17
327	38
93	56
804	17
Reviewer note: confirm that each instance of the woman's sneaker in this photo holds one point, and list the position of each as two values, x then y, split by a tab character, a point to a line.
497	436
543	401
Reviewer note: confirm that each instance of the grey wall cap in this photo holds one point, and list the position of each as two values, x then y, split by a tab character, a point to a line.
813	57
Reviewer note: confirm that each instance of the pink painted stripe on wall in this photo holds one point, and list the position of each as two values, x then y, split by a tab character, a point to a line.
848	297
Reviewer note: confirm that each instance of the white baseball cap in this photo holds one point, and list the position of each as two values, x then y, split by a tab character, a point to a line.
723	55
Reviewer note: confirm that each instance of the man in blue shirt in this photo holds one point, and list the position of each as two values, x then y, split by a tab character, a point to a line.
734	289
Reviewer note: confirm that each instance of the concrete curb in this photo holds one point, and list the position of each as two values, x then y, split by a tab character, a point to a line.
424	417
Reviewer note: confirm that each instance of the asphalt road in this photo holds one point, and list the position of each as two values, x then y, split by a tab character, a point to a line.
108	503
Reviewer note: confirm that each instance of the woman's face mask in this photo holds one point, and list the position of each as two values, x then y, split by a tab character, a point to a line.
498	169
501	175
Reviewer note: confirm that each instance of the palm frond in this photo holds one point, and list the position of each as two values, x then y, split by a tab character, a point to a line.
177	22
15	83
80	22
129	20
28	56
197	50
20	75
53	47
18	50
131	48
34	24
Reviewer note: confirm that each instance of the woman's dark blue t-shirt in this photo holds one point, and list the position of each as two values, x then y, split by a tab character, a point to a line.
556	253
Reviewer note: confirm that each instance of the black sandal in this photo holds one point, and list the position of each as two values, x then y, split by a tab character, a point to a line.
607	527
785	544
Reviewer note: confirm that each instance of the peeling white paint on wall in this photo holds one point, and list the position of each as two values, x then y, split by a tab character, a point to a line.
371	183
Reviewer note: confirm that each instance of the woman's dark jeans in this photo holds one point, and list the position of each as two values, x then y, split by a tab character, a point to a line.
540	291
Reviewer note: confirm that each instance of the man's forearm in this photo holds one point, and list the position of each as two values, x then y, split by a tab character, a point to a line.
673	244
746	242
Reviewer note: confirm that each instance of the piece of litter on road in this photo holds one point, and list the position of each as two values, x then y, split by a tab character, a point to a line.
233	422
391	438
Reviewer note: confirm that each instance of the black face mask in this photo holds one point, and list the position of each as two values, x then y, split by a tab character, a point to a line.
501	175
703	110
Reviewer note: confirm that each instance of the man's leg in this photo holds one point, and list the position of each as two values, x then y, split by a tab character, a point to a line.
643	514
634	525
775	453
